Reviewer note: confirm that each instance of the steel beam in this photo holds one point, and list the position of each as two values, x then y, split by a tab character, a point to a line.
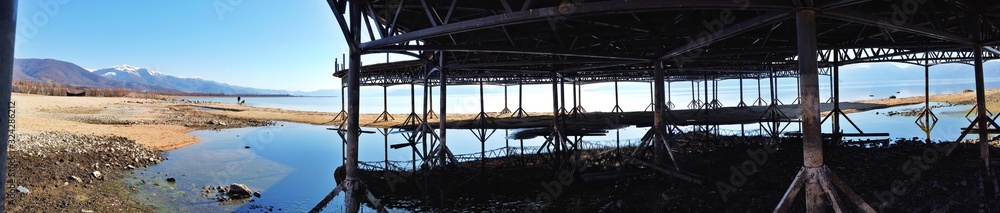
736	29
854	16
579	9
509	50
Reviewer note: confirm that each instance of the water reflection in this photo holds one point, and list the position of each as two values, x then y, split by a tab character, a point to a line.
293	164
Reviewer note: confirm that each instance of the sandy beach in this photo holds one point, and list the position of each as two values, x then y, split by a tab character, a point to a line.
163	124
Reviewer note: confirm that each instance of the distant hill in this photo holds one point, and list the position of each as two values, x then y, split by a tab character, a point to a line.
66	73
128	73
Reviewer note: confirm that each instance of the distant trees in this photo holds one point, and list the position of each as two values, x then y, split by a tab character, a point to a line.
54	89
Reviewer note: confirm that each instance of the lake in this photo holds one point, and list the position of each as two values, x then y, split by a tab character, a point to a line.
293	164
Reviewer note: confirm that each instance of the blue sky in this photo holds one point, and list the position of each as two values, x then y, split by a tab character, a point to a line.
287	45
264	44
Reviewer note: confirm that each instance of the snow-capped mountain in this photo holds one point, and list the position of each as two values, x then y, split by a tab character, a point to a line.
129	73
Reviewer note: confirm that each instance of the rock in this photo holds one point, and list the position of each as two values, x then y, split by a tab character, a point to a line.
256	194
239	191
211	122
97	174
171	179
77	179
246	147
87	211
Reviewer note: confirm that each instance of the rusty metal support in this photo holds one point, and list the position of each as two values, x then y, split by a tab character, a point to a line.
812	142
661	144
814	175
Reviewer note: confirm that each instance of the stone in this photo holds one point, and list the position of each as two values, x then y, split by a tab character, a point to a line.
239	191
171	179
75	178
97	174
256	194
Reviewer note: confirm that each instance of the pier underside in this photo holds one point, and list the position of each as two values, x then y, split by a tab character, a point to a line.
517	42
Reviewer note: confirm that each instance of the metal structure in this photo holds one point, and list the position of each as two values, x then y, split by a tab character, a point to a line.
510	42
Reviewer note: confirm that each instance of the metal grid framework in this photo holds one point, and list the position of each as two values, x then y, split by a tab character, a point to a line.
523	41
553	41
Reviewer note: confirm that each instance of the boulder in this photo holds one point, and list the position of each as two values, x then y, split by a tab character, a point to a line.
239	191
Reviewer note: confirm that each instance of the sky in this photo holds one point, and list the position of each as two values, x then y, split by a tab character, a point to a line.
264	44
288	45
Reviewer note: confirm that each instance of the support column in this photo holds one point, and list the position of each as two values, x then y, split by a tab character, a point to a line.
983	121
575	112
926	120
760	100
562	95
659	125
670	103
8	21
443	152
694	102
520	101
481	119
352	185
817	179
741	104
650	107
412	119
505	109
342	116
812	142
579	105
430	103
385	116
617	108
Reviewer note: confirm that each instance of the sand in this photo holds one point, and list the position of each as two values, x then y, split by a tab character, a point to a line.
163	124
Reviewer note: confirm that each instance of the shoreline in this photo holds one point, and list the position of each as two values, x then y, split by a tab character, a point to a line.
163	124
115	130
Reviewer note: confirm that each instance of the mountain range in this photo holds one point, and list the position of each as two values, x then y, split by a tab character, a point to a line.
136	78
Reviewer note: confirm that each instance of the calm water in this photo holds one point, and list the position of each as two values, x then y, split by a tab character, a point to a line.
293	164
